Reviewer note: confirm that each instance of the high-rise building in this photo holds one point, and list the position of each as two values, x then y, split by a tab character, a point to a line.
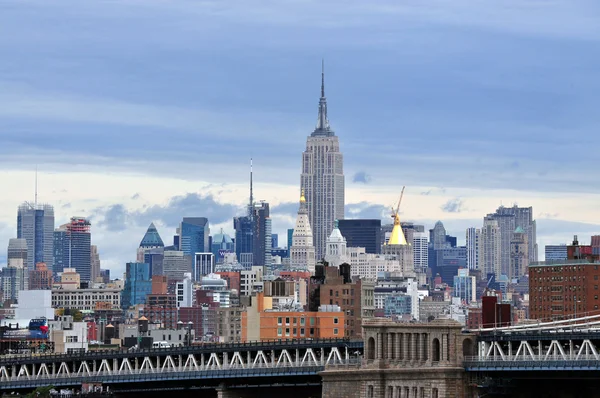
420	251
465	286
362	233
473	248
509	218
94	263
261	246
17	249
151	240
72	247
35	224
274	241
519	254
337	248
491	242
322	177
397	248
193	235
555	252
175	264
221	244
204	264
138	284
437	236
15	275
40	278
244	230
302	251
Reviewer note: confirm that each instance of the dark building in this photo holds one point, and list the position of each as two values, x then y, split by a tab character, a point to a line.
244	229
162	308
281	252
362	233
495	314
448	261
261	235
72	247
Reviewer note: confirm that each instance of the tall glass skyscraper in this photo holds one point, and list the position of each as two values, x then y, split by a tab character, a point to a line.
138	284
73	248
35	224
193	235
322	178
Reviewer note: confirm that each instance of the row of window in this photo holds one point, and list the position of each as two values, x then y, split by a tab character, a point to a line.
403	392
294	332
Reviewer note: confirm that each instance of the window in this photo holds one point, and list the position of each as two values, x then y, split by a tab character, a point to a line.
312	321
370	391
336	321
301	331
287	320
279	320
312	331
330	292
335	331
302	321
279	332
287	331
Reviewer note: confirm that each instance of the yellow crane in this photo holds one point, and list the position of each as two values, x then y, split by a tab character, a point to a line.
395	212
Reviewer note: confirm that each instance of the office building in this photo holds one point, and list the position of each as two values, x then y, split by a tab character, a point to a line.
465	286
94	263
40	278
175	264
204	264
193	235
322	178
14	279
519	254
562	291
362	233
35	224
491	241
555	252
274	241
420	251
155	257
17	249
448	261
221	244
87	299
185	292
261	246
473	247
72	247
302	251
509	218
244	230
138	284
336	252
151	240
397	248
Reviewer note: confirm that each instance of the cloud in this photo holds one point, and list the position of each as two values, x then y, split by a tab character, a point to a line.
366	210
116	218
135	196
455	205
362	177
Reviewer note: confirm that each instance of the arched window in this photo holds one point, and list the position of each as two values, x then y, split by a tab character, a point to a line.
371	348
435	347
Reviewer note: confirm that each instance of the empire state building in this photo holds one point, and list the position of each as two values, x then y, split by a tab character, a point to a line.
322	178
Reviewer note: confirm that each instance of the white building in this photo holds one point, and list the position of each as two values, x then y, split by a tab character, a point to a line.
473	247
34	304
86	299
491	248
336	252
251	281
465	287
185	291
322	178
204	264
420	251
302	251
68	336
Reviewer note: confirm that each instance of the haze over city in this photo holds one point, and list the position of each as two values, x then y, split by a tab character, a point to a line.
148	111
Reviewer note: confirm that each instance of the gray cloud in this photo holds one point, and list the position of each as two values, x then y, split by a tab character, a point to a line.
367	210
455	205
362	176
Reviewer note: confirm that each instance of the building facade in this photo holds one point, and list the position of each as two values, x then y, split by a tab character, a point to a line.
40	278
302	251
473	244
72	247
138	284
555	252
87	299
491	248
35	224
193	235
362	233
261	246
322	178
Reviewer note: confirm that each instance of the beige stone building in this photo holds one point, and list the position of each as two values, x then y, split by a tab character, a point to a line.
406	360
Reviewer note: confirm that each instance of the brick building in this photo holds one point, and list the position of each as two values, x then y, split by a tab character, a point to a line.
40	278
354	296
563	290
162	308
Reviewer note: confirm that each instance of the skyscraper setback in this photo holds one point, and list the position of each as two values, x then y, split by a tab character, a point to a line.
35	224
322	178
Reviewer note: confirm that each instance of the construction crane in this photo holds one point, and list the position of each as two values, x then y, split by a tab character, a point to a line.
395	213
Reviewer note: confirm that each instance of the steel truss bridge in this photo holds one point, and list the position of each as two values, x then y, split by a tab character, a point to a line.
205	366
571	344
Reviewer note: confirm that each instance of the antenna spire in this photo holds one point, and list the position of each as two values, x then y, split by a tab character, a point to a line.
36	185
322	78
251	196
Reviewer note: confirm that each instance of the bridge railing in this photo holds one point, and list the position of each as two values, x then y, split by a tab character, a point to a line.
475	360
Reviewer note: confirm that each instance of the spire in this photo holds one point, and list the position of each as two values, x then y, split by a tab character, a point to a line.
251	204
36	185
322	128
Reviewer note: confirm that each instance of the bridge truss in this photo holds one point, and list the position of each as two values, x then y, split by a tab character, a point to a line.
208	364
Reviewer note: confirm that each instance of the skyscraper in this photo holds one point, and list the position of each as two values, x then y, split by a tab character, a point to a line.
244	231
72	247
473	248
420	252
322	178
94	263
491	241
261	246
509	218
519	254
362	233
35	224
151	240
193	235
302	252
15	274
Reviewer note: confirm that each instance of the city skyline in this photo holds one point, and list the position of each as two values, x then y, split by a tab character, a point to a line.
124	134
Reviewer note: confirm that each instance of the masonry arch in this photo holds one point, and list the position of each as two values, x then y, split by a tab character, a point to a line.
371	348
435	350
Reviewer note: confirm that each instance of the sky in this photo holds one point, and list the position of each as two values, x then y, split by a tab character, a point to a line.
139	111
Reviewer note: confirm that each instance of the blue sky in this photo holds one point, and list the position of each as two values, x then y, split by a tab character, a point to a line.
150	110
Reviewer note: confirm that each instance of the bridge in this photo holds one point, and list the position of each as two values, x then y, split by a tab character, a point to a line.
508	359
209	366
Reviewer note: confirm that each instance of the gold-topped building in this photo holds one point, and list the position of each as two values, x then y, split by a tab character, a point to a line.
397	248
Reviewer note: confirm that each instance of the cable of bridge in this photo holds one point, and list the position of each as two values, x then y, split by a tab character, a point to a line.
543	325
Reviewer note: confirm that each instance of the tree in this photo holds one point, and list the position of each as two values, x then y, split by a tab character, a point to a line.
40	392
